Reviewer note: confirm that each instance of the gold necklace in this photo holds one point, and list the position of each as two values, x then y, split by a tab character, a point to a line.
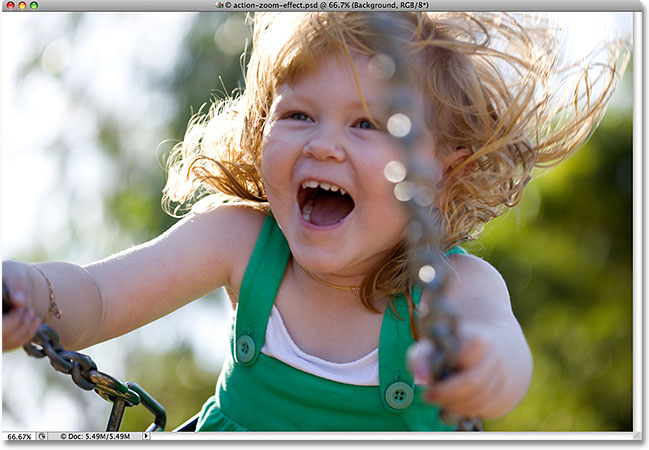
326	283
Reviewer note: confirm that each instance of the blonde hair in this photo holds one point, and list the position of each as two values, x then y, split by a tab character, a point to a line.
495	84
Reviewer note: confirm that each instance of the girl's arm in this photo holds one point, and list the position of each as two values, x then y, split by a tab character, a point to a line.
116	295
495	363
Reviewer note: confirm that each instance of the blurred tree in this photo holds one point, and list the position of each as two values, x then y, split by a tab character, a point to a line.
566	254
208	67
180	385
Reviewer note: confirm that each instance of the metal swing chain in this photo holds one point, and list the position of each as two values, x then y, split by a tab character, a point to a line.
416	187
84	373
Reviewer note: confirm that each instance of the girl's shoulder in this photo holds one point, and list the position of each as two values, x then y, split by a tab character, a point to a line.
473	278
231	230
244	218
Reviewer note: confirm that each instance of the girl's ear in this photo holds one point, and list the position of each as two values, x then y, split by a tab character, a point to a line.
455	158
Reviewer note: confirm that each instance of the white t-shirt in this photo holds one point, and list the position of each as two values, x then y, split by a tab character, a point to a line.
279	345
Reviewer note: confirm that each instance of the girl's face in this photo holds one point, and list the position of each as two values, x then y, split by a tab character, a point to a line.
323	164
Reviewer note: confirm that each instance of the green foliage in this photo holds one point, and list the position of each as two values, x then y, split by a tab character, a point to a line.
203	73
175	380
566	254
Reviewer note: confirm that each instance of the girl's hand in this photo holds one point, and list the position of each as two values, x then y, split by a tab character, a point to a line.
479	385
19	325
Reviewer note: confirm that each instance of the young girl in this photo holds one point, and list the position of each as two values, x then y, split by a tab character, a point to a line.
303	230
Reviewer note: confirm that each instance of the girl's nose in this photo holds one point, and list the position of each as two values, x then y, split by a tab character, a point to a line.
326	145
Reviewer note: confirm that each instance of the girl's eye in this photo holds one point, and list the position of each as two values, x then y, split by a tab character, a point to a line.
365	124
299	116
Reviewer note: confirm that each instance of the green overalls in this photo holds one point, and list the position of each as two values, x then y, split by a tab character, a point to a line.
256	392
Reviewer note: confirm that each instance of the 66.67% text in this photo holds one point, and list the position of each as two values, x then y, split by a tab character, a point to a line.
19	437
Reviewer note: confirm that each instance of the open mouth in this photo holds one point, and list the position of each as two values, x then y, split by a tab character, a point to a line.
323	203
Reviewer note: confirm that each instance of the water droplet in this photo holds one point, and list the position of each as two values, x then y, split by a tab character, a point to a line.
424	196
427	273
382	66
404	191
394	171
399	125
56	57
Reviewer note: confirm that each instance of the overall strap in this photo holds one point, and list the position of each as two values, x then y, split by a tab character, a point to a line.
396	382
455	250
258	291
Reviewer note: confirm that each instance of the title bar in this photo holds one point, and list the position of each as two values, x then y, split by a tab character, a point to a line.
14	6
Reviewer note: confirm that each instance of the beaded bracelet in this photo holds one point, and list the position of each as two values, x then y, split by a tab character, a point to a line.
53	309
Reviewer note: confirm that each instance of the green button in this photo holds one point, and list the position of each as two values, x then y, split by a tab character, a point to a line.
245	349
399	395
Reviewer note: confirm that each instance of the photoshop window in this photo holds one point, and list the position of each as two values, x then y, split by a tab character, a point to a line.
129	127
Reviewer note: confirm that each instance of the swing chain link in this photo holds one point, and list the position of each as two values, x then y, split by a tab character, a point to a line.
437	317
84	373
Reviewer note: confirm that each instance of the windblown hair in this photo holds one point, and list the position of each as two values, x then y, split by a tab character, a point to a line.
494	83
